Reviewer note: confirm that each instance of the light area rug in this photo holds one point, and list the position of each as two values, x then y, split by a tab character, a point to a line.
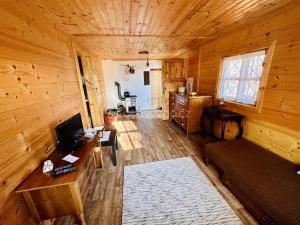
172	192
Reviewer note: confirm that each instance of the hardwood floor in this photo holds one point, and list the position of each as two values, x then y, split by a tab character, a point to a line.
142	138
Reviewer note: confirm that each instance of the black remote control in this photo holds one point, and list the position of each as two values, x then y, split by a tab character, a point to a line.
63	170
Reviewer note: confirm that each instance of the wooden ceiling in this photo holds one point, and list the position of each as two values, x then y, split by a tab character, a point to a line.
119	29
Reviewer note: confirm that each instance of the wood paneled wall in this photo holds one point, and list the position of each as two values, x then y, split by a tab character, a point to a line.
174	72
194	68
276	125
39	88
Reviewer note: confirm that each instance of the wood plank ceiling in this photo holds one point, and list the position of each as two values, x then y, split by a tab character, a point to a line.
119	29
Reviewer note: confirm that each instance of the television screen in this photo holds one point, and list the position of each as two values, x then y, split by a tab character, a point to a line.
70	132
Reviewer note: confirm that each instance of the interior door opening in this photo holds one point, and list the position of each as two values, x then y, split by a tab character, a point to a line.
156	88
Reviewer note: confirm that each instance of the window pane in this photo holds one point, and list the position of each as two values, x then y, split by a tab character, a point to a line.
241	77
230	88
230	78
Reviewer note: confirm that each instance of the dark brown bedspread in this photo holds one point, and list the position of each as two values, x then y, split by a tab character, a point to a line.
266	179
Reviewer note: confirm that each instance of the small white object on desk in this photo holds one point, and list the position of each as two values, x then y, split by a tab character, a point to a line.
105	136
99	128
89	133
70	158
48	166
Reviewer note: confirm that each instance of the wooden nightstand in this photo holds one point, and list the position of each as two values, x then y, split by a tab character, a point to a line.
212	113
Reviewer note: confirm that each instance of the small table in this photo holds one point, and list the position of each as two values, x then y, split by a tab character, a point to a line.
113	142
212	113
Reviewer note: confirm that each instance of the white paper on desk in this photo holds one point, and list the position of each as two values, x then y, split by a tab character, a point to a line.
70	158
99	128
105	136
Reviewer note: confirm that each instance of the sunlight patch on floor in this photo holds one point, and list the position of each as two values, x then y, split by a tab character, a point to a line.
130	141
129	137
124	125
119	126
136	139
130	126
125	142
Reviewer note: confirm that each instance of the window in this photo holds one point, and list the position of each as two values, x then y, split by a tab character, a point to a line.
241	76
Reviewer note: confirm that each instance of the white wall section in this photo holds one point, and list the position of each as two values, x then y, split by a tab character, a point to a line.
114	71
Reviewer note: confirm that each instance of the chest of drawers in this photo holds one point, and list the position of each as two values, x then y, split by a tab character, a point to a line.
187	110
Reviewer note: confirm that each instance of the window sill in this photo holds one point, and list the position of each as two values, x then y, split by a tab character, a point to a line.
237	105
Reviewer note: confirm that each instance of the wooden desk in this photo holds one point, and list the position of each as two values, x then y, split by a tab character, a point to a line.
212	113
49	197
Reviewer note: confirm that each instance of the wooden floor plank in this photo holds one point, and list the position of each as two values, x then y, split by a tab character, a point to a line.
142	139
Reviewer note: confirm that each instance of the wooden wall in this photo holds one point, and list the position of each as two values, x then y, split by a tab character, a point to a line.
276	125
39	88
194	68
174	72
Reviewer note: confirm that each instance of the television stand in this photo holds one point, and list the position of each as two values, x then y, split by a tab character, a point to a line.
50	197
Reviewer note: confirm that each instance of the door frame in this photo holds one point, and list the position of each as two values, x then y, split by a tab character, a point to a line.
75	51
161	83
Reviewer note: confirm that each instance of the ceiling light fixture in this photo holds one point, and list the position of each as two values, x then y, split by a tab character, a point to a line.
145	53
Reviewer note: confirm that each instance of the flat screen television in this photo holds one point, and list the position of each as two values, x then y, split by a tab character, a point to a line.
70	133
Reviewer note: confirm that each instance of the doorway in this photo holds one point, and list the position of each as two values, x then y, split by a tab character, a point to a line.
156	88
